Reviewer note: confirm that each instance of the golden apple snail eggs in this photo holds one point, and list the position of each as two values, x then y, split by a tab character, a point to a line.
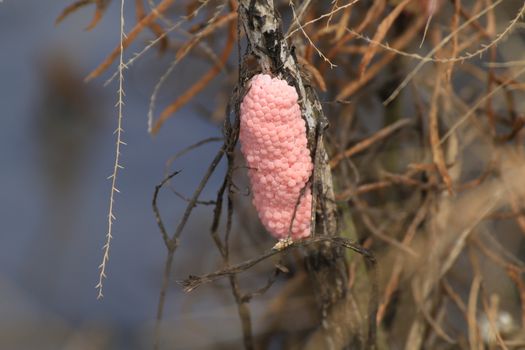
273	141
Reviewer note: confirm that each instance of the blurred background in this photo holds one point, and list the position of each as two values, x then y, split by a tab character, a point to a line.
58	148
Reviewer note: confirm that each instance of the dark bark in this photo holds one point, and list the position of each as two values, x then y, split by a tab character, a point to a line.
325	261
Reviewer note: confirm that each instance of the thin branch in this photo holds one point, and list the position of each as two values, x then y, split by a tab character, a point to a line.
331	13
172	242
296	19
193	282
156	210
116	166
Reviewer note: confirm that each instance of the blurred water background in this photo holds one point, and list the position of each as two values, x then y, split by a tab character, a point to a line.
57	149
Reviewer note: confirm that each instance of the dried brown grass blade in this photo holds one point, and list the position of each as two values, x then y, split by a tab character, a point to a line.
140	13
101	6
455	44
380	34
210	28
99	12
318	77
342	24
72	8
132	35
201	83
363	145
402	41
374	12
473	330
437	151
517	278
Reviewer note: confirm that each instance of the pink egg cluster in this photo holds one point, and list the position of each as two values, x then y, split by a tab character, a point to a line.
273	141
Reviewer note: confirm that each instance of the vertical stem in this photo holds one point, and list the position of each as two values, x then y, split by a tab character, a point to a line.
162	297
325	261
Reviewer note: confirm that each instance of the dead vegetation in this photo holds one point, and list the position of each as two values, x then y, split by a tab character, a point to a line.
426	151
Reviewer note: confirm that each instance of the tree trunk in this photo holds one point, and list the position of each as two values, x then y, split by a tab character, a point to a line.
340	326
